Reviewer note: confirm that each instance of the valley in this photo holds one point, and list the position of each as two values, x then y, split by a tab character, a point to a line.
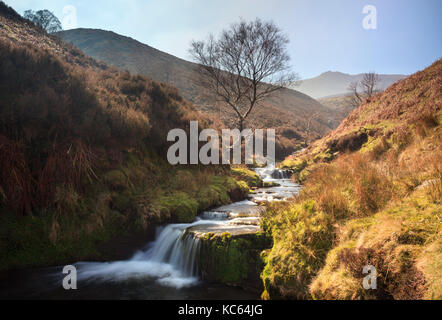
112	162
286	112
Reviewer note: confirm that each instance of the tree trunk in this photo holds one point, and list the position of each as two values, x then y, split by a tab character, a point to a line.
241	124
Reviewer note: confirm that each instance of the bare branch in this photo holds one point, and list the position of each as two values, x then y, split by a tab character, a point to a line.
368	84
244	65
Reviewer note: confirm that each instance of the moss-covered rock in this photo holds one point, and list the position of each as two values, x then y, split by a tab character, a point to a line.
233	260
179	206
252	179
294	164
270	184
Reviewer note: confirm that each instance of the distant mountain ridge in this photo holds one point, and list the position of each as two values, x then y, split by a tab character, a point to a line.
287	111
332	83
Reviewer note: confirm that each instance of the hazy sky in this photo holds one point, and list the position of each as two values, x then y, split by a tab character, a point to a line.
324	34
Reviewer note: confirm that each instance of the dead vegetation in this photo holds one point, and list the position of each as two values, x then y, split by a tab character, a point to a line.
372	191
53	96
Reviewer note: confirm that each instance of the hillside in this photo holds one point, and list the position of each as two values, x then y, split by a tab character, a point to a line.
82	154
330	84
340	105
287	111
372	196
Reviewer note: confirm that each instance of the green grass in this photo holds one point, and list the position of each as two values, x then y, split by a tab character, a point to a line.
402	242
143	192
297	165
302	235
247	175
377	206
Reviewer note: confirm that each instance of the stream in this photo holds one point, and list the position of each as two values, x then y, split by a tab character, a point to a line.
166	268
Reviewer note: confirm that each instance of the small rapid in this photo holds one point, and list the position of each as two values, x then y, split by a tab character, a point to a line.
173	258
271	173
175	247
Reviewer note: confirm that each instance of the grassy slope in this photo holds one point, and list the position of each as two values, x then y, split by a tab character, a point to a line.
372	196
341	105
82	152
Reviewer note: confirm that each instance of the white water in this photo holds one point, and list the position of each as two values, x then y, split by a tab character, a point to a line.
172	259
270	173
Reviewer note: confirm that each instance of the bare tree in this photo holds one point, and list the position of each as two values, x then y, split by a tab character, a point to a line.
244	65
309	125
356	98
368	84
45	19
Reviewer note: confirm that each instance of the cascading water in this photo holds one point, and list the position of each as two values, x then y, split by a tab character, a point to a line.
175	247
173	258
270	172
280	174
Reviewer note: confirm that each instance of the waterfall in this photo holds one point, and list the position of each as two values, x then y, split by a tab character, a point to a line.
175	247
171	260
215	215
280	174
270	172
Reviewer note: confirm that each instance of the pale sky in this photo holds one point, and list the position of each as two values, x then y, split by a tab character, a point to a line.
324	34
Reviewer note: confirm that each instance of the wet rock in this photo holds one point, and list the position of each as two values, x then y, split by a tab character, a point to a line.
233	259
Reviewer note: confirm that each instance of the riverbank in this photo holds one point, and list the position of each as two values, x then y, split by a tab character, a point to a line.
372	197
121	216
83	162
